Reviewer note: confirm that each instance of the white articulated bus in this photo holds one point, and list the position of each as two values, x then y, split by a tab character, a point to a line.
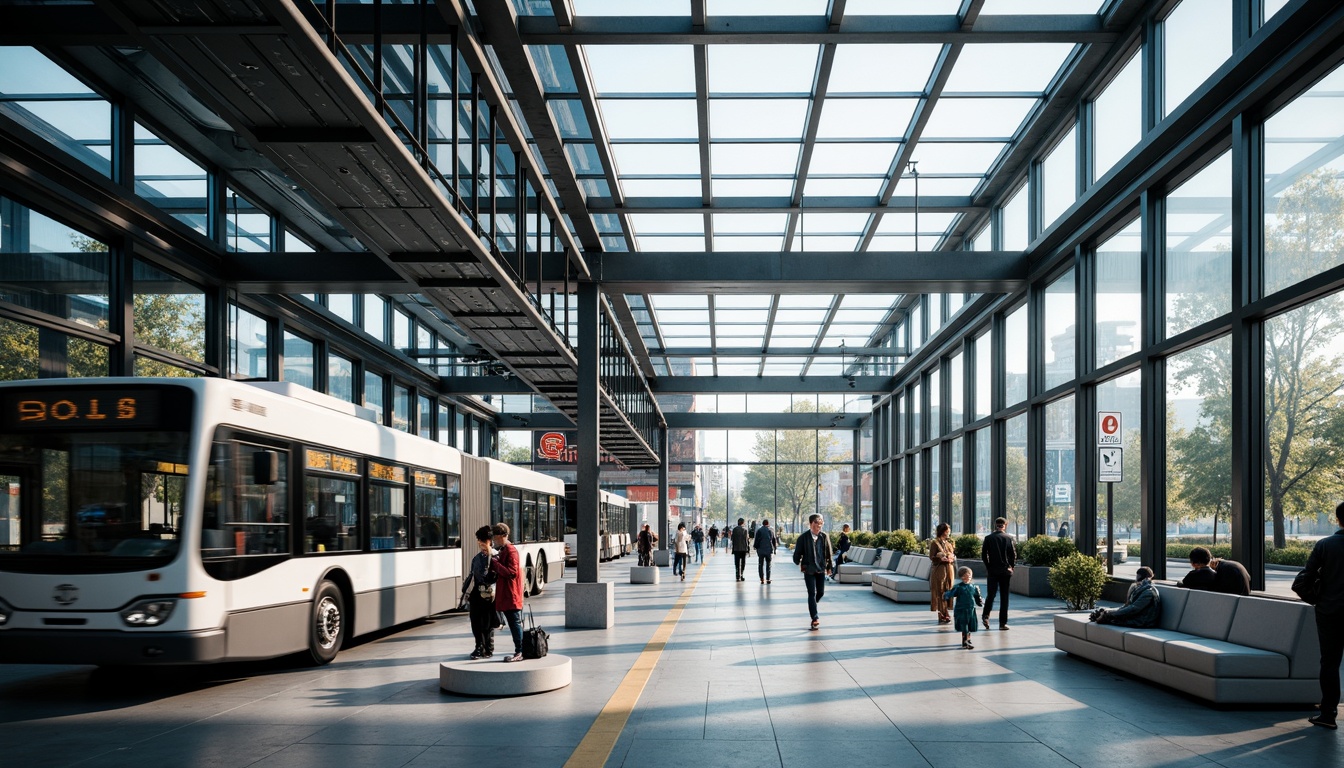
613	525
201	520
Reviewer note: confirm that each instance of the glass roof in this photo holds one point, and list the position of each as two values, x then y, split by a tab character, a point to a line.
781	141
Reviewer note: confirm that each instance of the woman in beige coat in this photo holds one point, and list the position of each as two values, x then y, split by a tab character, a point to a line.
942	576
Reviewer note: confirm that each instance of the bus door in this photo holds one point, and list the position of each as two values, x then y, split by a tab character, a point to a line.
18	506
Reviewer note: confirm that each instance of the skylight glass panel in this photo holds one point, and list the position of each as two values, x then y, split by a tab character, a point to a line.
976	118
831	223
751	159
937	186
904	223
872	300
815	243
762	68
878	69
649	118
846	187
592	188
752	187
782	366
582	158
660	187
865	118
860	316
794	331
741	322
849	159
971	157
553	69
1007	67
901	7
641	69
806	300
800	316
675	301
632	7
670	244
667	223
747	244
881	243
743	301
644	159
570	119
749	223
757	118
767	7
1040	7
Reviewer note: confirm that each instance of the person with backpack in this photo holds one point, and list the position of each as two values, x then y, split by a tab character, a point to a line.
698	539
644	545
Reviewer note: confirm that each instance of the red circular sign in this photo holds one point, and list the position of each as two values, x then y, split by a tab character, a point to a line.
1110	425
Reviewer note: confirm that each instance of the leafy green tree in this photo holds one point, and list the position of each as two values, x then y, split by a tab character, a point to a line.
785	479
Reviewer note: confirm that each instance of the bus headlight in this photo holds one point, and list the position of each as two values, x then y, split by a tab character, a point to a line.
148	613
5	613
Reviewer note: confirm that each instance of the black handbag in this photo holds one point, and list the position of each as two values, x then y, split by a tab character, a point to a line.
1308	587
536	643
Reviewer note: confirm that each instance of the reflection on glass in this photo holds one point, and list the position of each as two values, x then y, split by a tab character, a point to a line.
41	96
1060	475
1117	123
1059	183
1015	233
298	353
984	506
247	227
1199	247
1015	356
248	344
956	385
916	497
935	487
170	180
1015	499
169	312
984	378
1060	330
955	478
1118	307
935	406
1304	195
49	253
1199	448
341	378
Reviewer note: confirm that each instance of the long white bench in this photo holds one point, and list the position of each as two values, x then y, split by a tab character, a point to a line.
1221	648
909	583
862	573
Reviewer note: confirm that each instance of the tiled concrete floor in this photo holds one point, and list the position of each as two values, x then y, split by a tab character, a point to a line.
742	683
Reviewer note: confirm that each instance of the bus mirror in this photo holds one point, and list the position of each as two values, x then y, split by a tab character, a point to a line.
265	468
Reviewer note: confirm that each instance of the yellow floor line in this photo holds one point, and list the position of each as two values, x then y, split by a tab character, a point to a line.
601	738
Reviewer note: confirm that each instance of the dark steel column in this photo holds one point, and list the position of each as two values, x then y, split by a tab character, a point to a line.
589	434
1152	396
664	535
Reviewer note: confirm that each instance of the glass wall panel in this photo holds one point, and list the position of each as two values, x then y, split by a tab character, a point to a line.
373	394
935	488
901	420
401	329
957	510
425	424
1060	475
248	341
1304	397
1117	118
1059	178
916	416
401	410
148	366
341	377
1304	194
750	444
1061	312
169	312
1196	40
1121	395
1199	247
1015	476
916	495
342	305
299	353
375	320
170	180
247	227
18	351
1015	234
1015	357
984	376
898	517
1119	315
984	506
444	423
935	405
1199	449
956	384
54	269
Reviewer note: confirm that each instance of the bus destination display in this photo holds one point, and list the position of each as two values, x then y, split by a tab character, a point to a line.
78	409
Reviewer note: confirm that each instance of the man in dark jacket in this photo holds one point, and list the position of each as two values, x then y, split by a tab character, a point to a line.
999	554
841	551
1233	578
812	552
741	546
1325	566
764	545
1142	608
1201	576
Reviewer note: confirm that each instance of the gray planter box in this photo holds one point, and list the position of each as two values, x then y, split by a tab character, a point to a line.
977	567
1031	580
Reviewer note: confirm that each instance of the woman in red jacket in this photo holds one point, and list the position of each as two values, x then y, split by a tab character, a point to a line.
508	587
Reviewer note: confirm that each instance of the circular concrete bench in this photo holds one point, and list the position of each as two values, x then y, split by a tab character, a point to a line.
492	677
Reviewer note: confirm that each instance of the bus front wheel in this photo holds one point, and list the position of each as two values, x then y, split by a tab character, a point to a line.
539	576
326	630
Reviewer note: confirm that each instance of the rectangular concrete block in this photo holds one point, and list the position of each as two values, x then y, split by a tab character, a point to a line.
590	606
643	574
662	557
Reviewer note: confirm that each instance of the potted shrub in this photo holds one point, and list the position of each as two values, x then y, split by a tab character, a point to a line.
1078	580
901	541
968	554
1031	576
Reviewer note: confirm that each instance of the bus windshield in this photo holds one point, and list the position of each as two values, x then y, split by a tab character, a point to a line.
91	497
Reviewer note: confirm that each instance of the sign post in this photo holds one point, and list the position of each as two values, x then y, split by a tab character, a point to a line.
1110	470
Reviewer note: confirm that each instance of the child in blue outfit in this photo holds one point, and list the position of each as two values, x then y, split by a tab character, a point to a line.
967	596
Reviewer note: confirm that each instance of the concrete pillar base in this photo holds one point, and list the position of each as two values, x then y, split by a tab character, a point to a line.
590	606
643	574
662	557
